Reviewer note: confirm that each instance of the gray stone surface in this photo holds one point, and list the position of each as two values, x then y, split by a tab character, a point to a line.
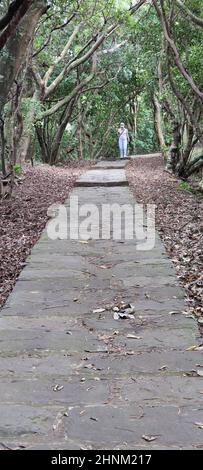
150	155
111	164
103	177
112	388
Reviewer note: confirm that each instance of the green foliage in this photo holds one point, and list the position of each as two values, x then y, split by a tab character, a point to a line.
126	79
185	186
17	169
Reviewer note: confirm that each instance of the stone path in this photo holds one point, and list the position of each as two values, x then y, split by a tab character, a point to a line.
103	177
74	379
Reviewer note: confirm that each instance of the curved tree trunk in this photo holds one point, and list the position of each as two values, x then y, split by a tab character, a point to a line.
15	50
194	166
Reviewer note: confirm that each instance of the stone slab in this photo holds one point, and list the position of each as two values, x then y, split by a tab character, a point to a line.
103	177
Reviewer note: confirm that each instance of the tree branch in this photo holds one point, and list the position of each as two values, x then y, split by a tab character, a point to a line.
177	59
195	19
60	58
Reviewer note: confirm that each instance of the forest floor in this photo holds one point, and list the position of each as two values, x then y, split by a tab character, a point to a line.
92	356
179	220
23	217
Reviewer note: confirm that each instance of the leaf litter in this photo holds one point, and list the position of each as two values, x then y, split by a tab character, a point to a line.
24	216
178	220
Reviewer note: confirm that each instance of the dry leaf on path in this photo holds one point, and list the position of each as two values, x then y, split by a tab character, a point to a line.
199	425
58	388
131	336
98	310
149	438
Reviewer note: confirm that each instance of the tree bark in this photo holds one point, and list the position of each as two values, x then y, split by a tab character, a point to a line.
45	152
195	19
16	49
194	166
158	123
177	59
28	132
3	146
60	131
173	156
9	23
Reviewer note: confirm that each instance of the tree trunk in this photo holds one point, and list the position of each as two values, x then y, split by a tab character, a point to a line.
17	125
60	131
45	153
194	166
187	151
27	138
158	123
15	50
173	157
3	146
79	131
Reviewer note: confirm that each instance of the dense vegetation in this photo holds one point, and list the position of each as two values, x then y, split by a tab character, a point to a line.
71	70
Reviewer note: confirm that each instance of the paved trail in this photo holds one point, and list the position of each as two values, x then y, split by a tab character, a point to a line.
115	388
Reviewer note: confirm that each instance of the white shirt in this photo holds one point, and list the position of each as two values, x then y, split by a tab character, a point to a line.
123	133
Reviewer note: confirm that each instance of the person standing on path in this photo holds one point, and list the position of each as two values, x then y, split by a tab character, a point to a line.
123	140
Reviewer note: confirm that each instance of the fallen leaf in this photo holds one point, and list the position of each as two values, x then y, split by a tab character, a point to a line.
93	419
199	425
58	388
106	266
6	447
200	372
89	366
199	348
192	348
105	337
174	312
124	316
133	336
149	438
98	310
192	373
116	316
115	309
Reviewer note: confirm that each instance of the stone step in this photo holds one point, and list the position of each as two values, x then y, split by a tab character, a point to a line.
111	165
103	177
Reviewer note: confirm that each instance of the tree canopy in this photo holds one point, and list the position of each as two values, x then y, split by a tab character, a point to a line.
71	70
